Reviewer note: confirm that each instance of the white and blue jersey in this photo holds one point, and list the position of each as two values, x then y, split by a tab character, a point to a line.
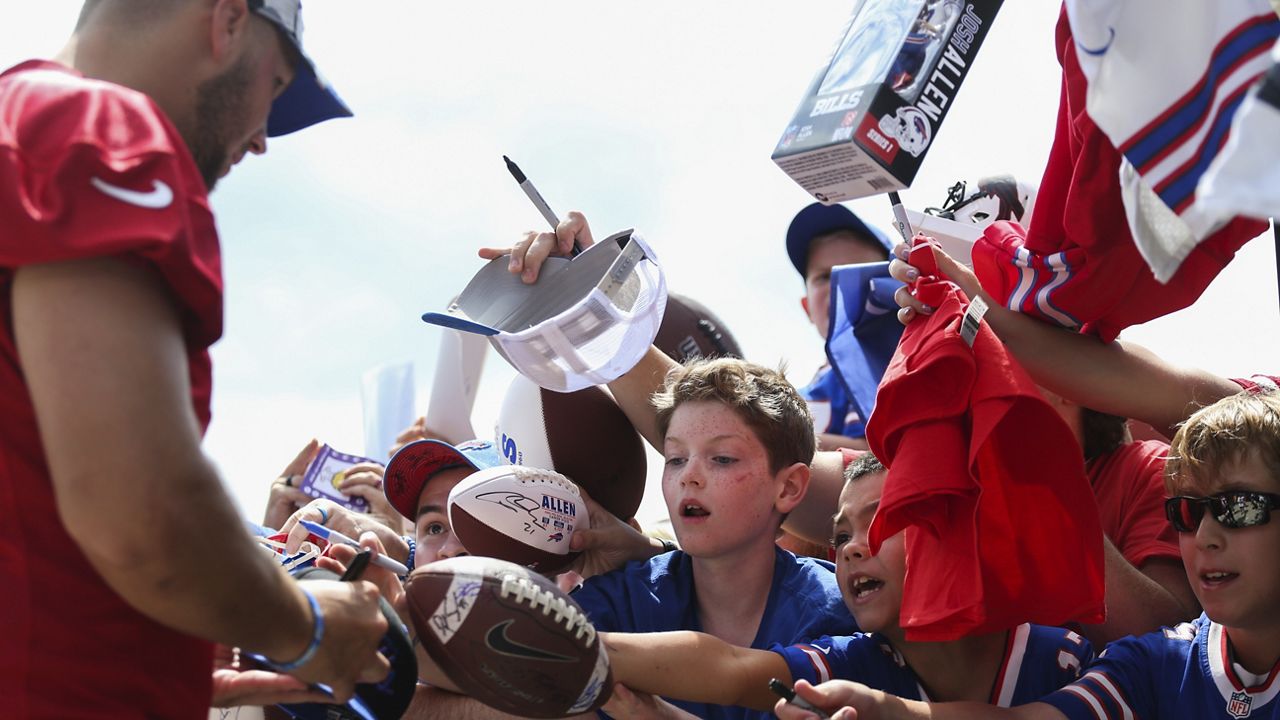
658	594
1037	661
1179	672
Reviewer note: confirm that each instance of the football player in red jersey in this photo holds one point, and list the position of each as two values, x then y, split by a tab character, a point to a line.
111	288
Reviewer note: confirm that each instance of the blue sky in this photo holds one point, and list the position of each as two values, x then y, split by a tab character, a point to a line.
659	116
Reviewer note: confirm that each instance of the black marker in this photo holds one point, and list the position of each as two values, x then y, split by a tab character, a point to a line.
536	198
900	218
780	689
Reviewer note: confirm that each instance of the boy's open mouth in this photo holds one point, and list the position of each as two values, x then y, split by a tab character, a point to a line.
1217	577
693	510
864	585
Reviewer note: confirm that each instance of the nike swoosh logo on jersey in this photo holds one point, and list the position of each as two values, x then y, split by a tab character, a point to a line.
157	198
823	650
498	641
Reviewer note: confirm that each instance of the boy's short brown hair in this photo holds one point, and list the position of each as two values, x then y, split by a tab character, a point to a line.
1222	434
763	398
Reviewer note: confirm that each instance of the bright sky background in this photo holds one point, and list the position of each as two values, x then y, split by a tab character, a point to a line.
658	115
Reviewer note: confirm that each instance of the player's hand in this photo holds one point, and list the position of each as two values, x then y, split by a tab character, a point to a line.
956	272
236	684
609	543
353	629
352	524
626	703
841	699
285	497
337	557
528	254
364	480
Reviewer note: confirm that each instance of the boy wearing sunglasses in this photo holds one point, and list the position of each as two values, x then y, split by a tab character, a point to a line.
1224	477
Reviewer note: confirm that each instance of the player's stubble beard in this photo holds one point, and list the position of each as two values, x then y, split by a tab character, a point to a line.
220	112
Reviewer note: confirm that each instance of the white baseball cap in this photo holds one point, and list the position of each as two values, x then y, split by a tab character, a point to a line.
585	322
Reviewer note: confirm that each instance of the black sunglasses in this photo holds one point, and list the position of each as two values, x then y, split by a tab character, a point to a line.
1238	509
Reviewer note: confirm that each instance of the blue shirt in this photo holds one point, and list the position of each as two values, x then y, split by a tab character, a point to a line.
1037	661
1176	673
658	595
826	390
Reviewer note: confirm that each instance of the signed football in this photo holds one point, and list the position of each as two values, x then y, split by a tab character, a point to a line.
508	637
519	514
582	435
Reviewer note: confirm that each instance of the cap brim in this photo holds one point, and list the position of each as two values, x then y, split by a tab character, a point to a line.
411	467
816	220
308	100
458	323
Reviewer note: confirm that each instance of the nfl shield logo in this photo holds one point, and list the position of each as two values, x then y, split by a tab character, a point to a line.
1238	705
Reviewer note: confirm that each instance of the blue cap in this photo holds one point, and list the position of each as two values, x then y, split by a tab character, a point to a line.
414	464
309	99
817	220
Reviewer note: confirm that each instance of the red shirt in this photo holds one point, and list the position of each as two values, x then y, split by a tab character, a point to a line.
1077	265
986	480
91	169
1129	485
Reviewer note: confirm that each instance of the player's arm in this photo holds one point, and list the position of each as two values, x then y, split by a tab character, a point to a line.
1141	600
872	704
694	667
103	354
1118	378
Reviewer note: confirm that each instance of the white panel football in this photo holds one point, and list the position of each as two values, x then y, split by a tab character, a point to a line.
519	514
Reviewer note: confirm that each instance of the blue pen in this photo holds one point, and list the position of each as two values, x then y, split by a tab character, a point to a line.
380	560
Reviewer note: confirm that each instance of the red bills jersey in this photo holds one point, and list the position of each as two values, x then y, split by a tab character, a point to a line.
1077	265
90	169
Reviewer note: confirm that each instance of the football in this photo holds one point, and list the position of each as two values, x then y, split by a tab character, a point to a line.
519	514
582	435
508	637
690	329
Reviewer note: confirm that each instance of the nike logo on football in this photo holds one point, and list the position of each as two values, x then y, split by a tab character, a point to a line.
158	197
499	642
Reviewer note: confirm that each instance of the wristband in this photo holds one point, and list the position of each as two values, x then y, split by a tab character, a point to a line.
317	634
413	551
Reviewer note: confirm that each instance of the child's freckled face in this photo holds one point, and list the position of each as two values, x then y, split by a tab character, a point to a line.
716	480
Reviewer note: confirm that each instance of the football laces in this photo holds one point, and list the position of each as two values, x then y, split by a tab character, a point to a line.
525	473
525	591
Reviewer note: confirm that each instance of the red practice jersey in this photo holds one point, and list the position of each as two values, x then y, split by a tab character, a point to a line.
90	169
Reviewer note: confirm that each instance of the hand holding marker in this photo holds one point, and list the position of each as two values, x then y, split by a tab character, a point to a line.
538	202
333	536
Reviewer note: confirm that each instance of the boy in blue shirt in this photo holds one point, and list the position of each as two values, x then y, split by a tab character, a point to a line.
737	441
